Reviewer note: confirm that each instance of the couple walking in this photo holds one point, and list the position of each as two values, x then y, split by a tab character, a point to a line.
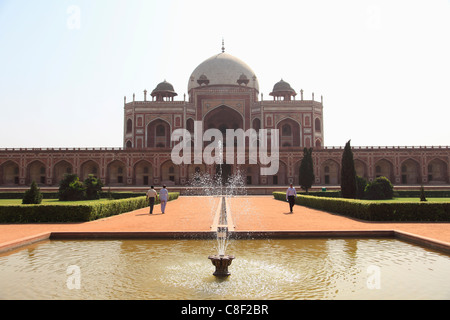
152	196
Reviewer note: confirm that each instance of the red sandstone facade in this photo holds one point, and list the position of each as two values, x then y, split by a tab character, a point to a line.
223	93
141	167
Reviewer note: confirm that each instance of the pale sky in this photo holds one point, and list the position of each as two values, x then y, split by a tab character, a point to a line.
383	67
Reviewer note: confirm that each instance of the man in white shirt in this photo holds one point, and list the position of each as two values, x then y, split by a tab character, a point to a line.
163	197
291	194
152	196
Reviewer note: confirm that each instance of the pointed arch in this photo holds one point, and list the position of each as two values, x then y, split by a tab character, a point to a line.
317	125
170	173
60	169
256	123
223	114
330	172
410	172
9	173
158	134
318	144
143	173
116	173
384	168
37	172
89	167
290	132
361	168
437	170
129	126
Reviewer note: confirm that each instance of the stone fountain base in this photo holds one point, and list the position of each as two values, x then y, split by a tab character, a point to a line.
221	262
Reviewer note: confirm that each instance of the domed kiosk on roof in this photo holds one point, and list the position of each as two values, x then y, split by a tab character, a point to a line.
283	90
164	90
223	69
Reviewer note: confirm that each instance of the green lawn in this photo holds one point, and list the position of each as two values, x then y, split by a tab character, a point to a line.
14	202
411	200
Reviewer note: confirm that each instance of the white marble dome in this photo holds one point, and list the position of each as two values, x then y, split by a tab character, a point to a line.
223	69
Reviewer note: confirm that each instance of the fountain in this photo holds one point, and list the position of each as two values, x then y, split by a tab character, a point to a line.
222	225
222	261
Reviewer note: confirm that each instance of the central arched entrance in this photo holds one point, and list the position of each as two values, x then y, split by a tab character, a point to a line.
223	118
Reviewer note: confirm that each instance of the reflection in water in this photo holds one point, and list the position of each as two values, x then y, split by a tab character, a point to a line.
263	269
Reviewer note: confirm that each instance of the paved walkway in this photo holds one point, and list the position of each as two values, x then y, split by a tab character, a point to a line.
195	214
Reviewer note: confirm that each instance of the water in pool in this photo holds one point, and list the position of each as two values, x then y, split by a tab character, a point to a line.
263	269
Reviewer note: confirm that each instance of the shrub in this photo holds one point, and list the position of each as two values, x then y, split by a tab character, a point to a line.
93	187
71	188
379	189
33	195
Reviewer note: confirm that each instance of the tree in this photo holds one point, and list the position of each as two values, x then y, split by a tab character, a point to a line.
348	173
32	195
379	189
361	184
93	187
307	177
71	188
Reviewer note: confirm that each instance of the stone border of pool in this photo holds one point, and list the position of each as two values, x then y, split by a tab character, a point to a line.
400	235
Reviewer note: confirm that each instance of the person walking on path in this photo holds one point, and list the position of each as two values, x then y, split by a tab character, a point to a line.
291	194
163	197
152	196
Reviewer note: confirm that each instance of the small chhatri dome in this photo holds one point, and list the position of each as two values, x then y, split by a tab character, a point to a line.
282	86
164	86
203	79
282	89
243	79
164	90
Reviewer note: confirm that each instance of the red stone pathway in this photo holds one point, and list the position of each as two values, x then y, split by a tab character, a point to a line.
194	214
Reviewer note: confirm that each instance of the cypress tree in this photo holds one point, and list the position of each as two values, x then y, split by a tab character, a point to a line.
306	178
32	195
348	173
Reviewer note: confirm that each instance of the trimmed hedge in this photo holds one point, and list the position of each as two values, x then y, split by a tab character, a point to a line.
376	211
327	194
73	212
54	195
121	195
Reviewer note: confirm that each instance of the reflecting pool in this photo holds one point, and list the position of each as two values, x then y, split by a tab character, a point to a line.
263	269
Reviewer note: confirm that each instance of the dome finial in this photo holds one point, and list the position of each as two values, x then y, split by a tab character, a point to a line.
223	45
